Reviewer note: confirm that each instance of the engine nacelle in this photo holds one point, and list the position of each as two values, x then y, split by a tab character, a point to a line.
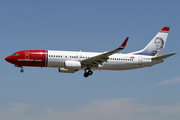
72	65
63	70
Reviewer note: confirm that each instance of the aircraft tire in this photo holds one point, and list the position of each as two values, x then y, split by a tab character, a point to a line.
21	70
90	72
86	74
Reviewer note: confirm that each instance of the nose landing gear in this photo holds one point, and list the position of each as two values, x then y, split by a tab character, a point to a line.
22	70
88	72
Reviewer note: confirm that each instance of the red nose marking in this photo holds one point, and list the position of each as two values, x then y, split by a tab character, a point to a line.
9	59
35	58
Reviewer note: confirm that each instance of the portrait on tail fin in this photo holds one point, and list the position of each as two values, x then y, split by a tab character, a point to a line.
159	43
156	46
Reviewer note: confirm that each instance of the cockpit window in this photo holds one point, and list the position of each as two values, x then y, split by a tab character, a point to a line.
15	54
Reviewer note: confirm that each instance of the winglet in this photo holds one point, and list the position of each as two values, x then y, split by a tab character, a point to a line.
124	43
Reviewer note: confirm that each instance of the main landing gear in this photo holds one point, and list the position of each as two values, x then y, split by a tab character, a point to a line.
88	72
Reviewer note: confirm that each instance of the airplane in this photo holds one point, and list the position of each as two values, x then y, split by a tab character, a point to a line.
73	61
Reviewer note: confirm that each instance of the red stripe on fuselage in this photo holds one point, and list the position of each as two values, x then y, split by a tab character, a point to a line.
35	58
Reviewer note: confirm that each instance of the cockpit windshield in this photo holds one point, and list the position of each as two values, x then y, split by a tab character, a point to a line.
15	54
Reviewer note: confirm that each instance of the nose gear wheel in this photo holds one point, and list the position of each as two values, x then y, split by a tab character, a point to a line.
22	70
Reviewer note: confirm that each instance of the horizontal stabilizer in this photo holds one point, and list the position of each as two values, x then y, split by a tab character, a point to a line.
163	56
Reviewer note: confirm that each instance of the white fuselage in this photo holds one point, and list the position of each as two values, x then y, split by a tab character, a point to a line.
115	62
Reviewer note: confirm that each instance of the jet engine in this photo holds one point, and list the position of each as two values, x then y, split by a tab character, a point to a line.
72	65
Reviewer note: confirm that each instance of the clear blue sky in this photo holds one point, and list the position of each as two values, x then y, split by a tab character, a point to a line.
88	25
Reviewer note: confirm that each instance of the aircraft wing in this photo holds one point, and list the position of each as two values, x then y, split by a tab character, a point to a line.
99	59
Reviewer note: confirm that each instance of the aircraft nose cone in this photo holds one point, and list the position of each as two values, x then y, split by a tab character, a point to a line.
8	59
